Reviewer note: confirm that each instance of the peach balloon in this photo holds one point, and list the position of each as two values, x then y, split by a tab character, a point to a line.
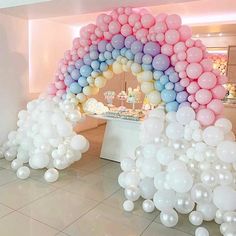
218	92
203	96
206	117
194	70
217	106
207	80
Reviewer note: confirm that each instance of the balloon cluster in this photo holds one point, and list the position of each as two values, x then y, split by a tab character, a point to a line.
45	138
92	106
159	51
183	167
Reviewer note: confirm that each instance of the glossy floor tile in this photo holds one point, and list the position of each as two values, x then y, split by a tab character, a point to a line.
6	176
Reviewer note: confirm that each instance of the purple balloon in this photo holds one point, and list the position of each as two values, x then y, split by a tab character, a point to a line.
68	80
129	40
182	97
178	87
170	70
75	74
94	54
102	46
138	57
117	41
184	104
79	63
109	47
161	62
136	47
87	59
152	48
147	59
93	48
70	68
174	77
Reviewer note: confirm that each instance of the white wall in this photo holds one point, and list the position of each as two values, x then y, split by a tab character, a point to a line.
13	71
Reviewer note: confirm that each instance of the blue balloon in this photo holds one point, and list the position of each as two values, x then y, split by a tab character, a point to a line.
94	55
102	46
109	47
70	68
93	48
79	63
138	57
158	85
75	88
95	65
169	86
87	60
157	74
164	79
129	55
110	62
174	77
101	57
169	71
86	71
63	96
82	81
168	95
147	59
75	74
68	80
129	40
107	55
115	53
172	106
147	67
123	51
103	66
182	97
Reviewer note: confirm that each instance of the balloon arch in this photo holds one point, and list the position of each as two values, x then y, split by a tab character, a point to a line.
187	154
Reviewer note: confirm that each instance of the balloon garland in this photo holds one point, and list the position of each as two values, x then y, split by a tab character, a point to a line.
186	161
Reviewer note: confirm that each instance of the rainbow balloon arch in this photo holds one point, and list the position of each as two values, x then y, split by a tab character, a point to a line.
187	154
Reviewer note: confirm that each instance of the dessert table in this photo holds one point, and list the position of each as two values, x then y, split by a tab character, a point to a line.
120	139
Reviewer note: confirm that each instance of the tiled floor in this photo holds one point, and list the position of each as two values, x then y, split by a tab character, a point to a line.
85	201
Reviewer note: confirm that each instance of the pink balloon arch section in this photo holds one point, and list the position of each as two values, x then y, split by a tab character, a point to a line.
171	67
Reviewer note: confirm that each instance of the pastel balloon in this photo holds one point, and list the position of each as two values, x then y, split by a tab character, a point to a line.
218	92
133	18
205	117
147	87
154	98
194	70
129	40
114	27
181	66
226	151
172	36
147	20
85	70
161	62
216	105
207	80
151	48
207	64
168	95
179	47
75	88
193	87
194	54
117	41
126	30
167	49
136	47
182	97
173	21
203	96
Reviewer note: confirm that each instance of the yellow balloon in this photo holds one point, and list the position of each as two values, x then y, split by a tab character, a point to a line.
125	68
154	98
88	91
136	68
81	97
147	87
100	82
117	68
108	74
145	76
124	61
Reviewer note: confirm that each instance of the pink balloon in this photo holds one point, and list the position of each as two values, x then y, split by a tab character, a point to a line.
63	68
181	56
173	59
114	27
147	20
123	19
107	35
161	17
216	72
107	19
203	96
189	43
207	80
128	10
179	47
207	64
160	27
114	14
76	43
142	33
182	75
222	79
173	21
194	105
191	98
160	37
98	32
185	32
193	87
217	106
126	30
167	49
218	92
181	66
133	18
81	52
184	82
194	70
51	90
60	85
60	93
194	54
121	10
137	26
171	36
206	117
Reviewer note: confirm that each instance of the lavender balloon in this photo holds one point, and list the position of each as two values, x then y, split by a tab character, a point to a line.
152	48
182	97
79	63
102	46
161	62
138	57
129	40
117	41
136	47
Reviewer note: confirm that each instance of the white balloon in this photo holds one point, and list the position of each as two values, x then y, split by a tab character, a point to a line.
208	211
224	124
169	217
201	231
132	179
226	151
39	161
147	188
165	155
196	218
128	205
164	199
150	167
148	206
185	115
51	175
175	131
16	164
132	193
184	204
78	142
23	172
213	135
